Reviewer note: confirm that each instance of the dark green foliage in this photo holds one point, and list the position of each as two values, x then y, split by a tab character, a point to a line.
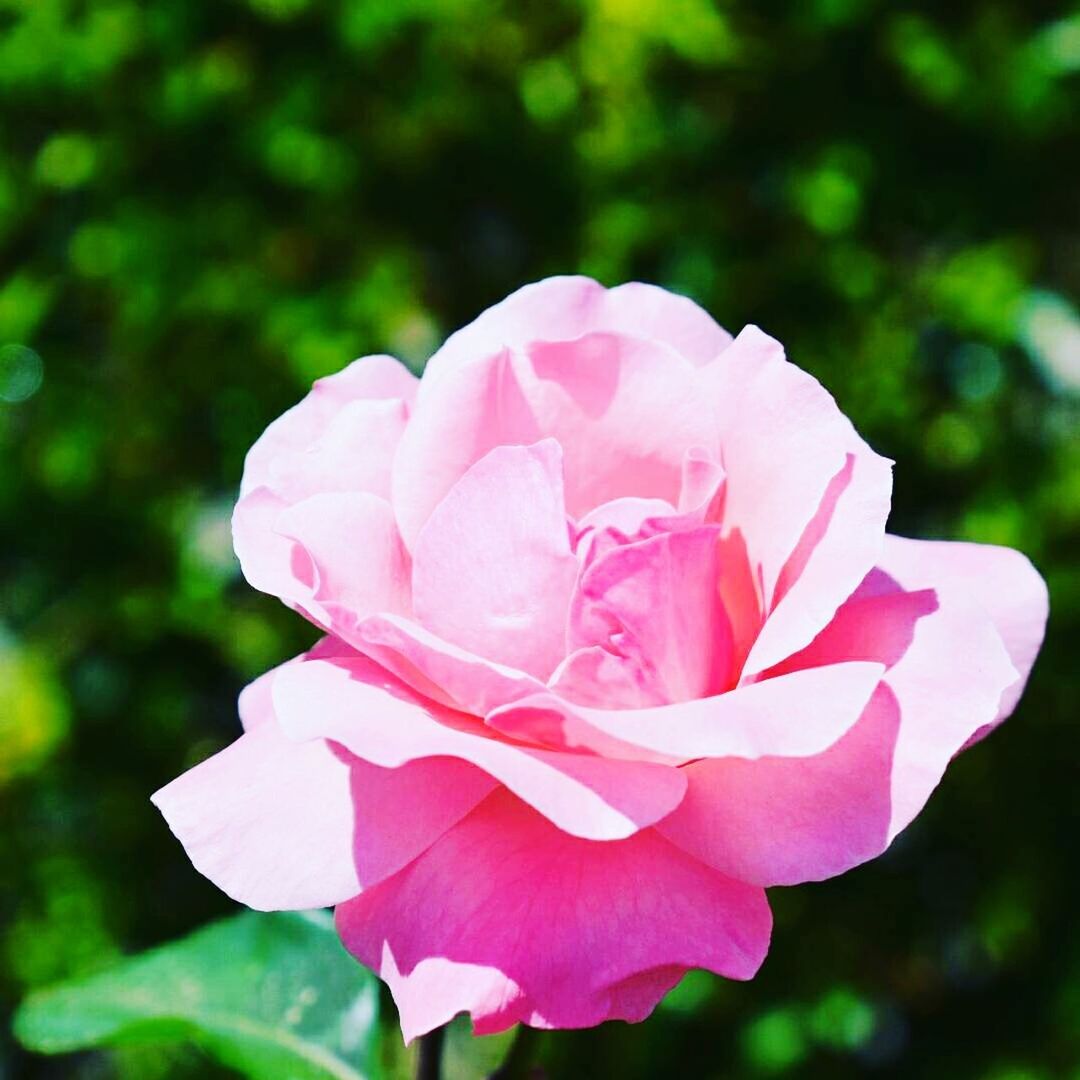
204	204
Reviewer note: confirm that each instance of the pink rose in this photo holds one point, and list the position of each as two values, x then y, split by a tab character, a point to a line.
615	639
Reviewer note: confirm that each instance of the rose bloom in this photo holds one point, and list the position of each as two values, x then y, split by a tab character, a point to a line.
614	640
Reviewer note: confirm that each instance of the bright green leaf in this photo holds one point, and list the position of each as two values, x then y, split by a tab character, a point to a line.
269	995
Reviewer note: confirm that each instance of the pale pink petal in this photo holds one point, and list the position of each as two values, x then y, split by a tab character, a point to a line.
492	568
562	308
793	715
267	820
511	920
628	519
625	411
779	822
353	453
803	491
651	312
371	377
347	560
702	486
265	555
657	604
618	522
438	669
375	716
335	557
593	675
254	704
1001	580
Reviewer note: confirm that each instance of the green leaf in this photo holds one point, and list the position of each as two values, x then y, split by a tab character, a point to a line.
268	995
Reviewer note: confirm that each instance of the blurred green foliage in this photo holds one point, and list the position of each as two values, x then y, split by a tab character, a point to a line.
206	204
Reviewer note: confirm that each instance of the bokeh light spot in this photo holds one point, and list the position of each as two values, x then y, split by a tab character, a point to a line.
21	373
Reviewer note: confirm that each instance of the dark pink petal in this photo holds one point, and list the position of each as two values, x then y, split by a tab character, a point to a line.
400	813
657	604
509	919
376	717
779	822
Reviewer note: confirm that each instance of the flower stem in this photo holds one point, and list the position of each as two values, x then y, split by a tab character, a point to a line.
429	1061
518	1063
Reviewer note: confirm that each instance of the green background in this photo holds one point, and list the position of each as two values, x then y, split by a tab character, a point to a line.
206	204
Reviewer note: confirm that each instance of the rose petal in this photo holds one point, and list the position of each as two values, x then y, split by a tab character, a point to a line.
595	676
1002	581
348	560
624	410
657	603
492	569
268	821
780	822
306	423
629	519
563	308
335	557
401	812
497	918
353	453
438	669
378	718
793	715
806	495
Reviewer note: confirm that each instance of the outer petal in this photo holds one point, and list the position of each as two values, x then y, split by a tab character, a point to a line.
378	718
348	560
265	555
780	822
625	411
1001	580
306	423
807	496
336	557
511	920
792	715
651	312
353	453
282	825
562	308
492	568
268	821
401	812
